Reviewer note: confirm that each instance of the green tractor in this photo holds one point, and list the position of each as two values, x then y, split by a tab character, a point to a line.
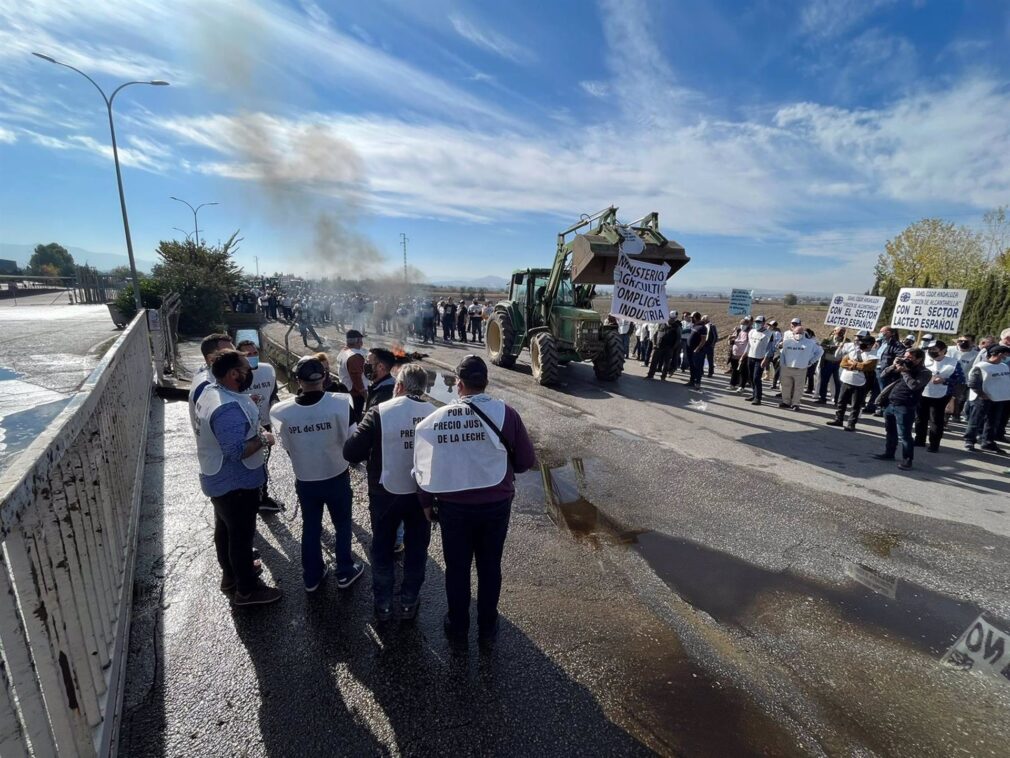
550	311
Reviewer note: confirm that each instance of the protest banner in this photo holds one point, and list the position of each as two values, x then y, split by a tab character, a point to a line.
924	310
740	302
854	311
640	291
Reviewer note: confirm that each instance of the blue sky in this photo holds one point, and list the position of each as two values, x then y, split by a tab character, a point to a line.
782	141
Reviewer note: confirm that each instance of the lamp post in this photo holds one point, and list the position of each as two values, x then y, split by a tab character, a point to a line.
188	235
195	210
115	156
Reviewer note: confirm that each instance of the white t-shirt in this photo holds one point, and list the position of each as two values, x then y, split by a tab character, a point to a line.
314	435
342	357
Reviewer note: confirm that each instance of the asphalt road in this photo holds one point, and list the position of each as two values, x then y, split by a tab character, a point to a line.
678	580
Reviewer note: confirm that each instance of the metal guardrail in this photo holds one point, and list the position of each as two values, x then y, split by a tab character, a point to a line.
68	523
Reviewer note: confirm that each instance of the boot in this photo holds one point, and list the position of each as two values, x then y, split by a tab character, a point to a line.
851	426
837	420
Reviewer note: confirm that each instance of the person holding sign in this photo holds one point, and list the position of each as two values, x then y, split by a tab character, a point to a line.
312	428
466	455
385	438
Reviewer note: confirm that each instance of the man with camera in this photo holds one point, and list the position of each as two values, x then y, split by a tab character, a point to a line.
904	381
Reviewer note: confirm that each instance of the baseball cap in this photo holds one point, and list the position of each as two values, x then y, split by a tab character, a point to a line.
354	334
796	322
309	369
470	368
759	320
863	334
773	322
927	338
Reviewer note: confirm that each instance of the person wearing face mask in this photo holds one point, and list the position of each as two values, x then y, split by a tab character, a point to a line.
857	364
379	367
351	369
890	348
230	450
902	398
931	415
965	354
829	367
738	342
759	355
466	455
989	382
263	391
798	353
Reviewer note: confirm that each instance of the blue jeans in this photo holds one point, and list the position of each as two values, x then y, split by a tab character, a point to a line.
387	512
697	360
473	533
829	373
757	371
898	421
335	495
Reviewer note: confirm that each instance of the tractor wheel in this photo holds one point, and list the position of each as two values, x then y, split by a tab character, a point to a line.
609	365
499	340
544	359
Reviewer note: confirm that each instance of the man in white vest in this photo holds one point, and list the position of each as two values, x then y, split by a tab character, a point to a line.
209	347
466	455
798	353
351	369
989	382
230	447
263	391
932	412
385	438
312	428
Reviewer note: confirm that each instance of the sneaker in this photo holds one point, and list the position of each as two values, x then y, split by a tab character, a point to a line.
344	582
738	390
749	399
883	457
262	595
905	464
833	422
228	583
314	587
992	447
383	611
269	505
794	407
755	402
783	405
408	609
850	428
969	446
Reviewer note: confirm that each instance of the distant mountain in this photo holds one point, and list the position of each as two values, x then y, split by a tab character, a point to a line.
487	282
21	254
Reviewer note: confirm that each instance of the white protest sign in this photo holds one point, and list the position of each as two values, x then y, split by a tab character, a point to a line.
740	302
640	290
929	310
870	579
631	243
854	311
983	648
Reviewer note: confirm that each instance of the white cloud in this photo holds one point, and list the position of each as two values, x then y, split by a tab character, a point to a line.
594	88
8	136
831	18
490	40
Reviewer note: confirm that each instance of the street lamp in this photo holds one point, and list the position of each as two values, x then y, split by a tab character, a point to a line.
115	156
188	235
195	211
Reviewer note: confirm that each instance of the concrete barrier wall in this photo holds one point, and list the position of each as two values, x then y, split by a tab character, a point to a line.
68	525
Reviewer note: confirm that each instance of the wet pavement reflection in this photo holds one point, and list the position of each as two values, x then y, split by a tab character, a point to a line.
441	386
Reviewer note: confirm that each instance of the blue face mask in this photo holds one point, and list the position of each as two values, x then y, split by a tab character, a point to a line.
254	361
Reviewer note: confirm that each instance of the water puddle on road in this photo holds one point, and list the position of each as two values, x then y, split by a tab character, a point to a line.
736	592
441	386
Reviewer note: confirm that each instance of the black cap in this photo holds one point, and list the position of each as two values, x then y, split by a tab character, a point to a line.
354	334
471	368
997	350
309	369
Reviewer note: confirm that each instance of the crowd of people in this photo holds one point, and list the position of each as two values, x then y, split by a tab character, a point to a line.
919	387
454	465
307	306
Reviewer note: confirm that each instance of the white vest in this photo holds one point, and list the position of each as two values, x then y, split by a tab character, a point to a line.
995	381
943	368
855	353
201	378
314	435
398	419
758	343
455	451
208	449
966	359
262	388
342	373
797	352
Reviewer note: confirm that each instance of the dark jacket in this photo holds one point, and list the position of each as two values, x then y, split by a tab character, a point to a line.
888	353
366	443
908	386
380	392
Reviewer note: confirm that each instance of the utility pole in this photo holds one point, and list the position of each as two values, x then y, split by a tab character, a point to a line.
403	244
257	259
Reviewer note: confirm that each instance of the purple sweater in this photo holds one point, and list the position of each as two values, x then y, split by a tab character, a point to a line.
514	431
